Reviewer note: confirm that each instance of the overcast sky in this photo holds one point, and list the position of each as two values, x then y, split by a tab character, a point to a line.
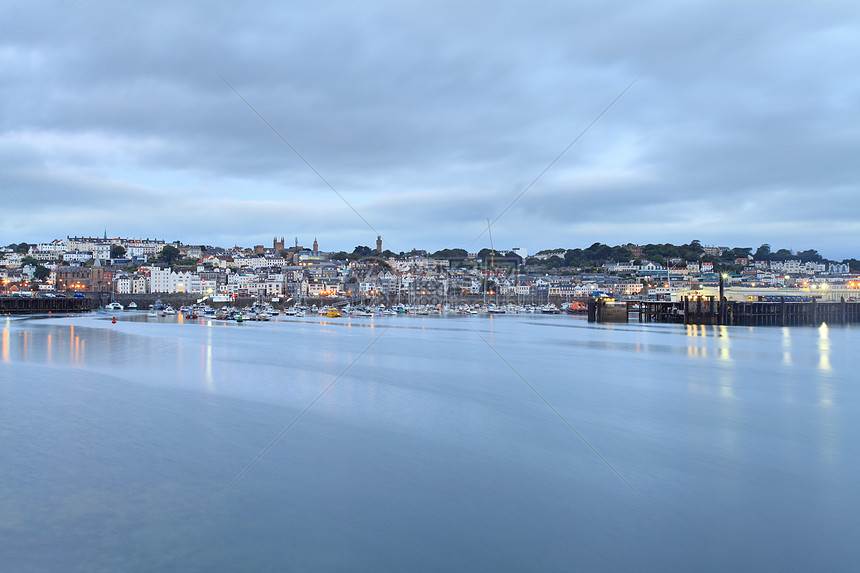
428	118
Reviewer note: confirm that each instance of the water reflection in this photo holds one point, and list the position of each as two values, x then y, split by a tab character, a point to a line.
825	390
6	341
207	360
724	343
786	346
823	348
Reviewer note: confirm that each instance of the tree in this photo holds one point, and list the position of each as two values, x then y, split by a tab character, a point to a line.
41	273
554	262
169	254
362	251
117	251
22	248
853	265
763	253
29	261
448	254
809	256
783	255
487	253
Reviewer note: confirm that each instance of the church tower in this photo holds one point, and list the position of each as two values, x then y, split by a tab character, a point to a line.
316	246
378	244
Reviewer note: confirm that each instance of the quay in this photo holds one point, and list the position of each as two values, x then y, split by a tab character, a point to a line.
44	305
708	310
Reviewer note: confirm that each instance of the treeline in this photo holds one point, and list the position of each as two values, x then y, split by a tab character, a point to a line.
661	253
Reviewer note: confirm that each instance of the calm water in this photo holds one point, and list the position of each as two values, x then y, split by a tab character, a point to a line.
173	446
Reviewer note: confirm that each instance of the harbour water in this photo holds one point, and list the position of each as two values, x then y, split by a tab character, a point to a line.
505	443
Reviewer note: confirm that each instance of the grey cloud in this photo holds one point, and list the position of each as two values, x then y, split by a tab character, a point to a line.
432	116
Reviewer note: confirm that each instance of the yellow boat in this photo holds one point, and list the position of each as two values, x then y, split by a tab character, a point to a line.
333	313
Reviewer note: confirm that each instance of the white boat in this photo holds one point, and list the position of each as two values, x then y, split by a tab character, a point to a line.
132	305
114	306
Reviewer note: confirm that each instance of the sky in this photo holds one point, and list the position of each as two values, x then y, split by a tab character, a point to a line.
419	121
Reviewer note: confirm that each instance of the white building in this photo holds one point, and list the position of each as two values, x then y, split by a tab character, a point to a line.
159	280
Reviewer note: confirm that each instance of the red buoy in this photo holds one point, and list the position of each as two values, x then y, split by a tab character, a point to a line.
113	321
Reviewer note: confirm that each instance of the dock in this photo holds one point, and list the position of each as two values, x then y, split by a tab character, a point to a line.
707	310
44	305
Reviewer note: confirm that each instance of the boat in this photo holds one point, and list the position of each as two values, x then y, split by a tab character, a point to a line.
333	313
114	306
576	307
132	305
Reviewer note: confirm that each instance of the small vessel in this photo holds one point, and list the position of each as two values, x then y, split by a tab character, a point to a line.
114	306
333	313
576	307
132	305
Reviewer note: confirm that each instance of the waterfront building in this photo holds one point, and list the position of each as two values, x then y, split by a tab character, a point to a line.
122	284
83	279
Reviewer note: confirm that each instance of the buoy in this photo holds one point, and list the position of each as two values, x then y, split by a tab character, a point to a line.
114	320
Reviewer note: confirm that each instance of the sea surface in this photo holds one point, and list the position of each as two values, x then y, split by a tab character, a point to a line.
505	443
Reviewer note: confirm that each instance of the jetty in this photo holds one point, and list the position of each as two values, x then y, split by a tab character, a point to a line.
44	305
776	311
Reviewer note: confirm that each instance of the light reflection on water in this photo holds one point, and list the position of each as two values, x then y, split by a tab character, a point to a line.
429	453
